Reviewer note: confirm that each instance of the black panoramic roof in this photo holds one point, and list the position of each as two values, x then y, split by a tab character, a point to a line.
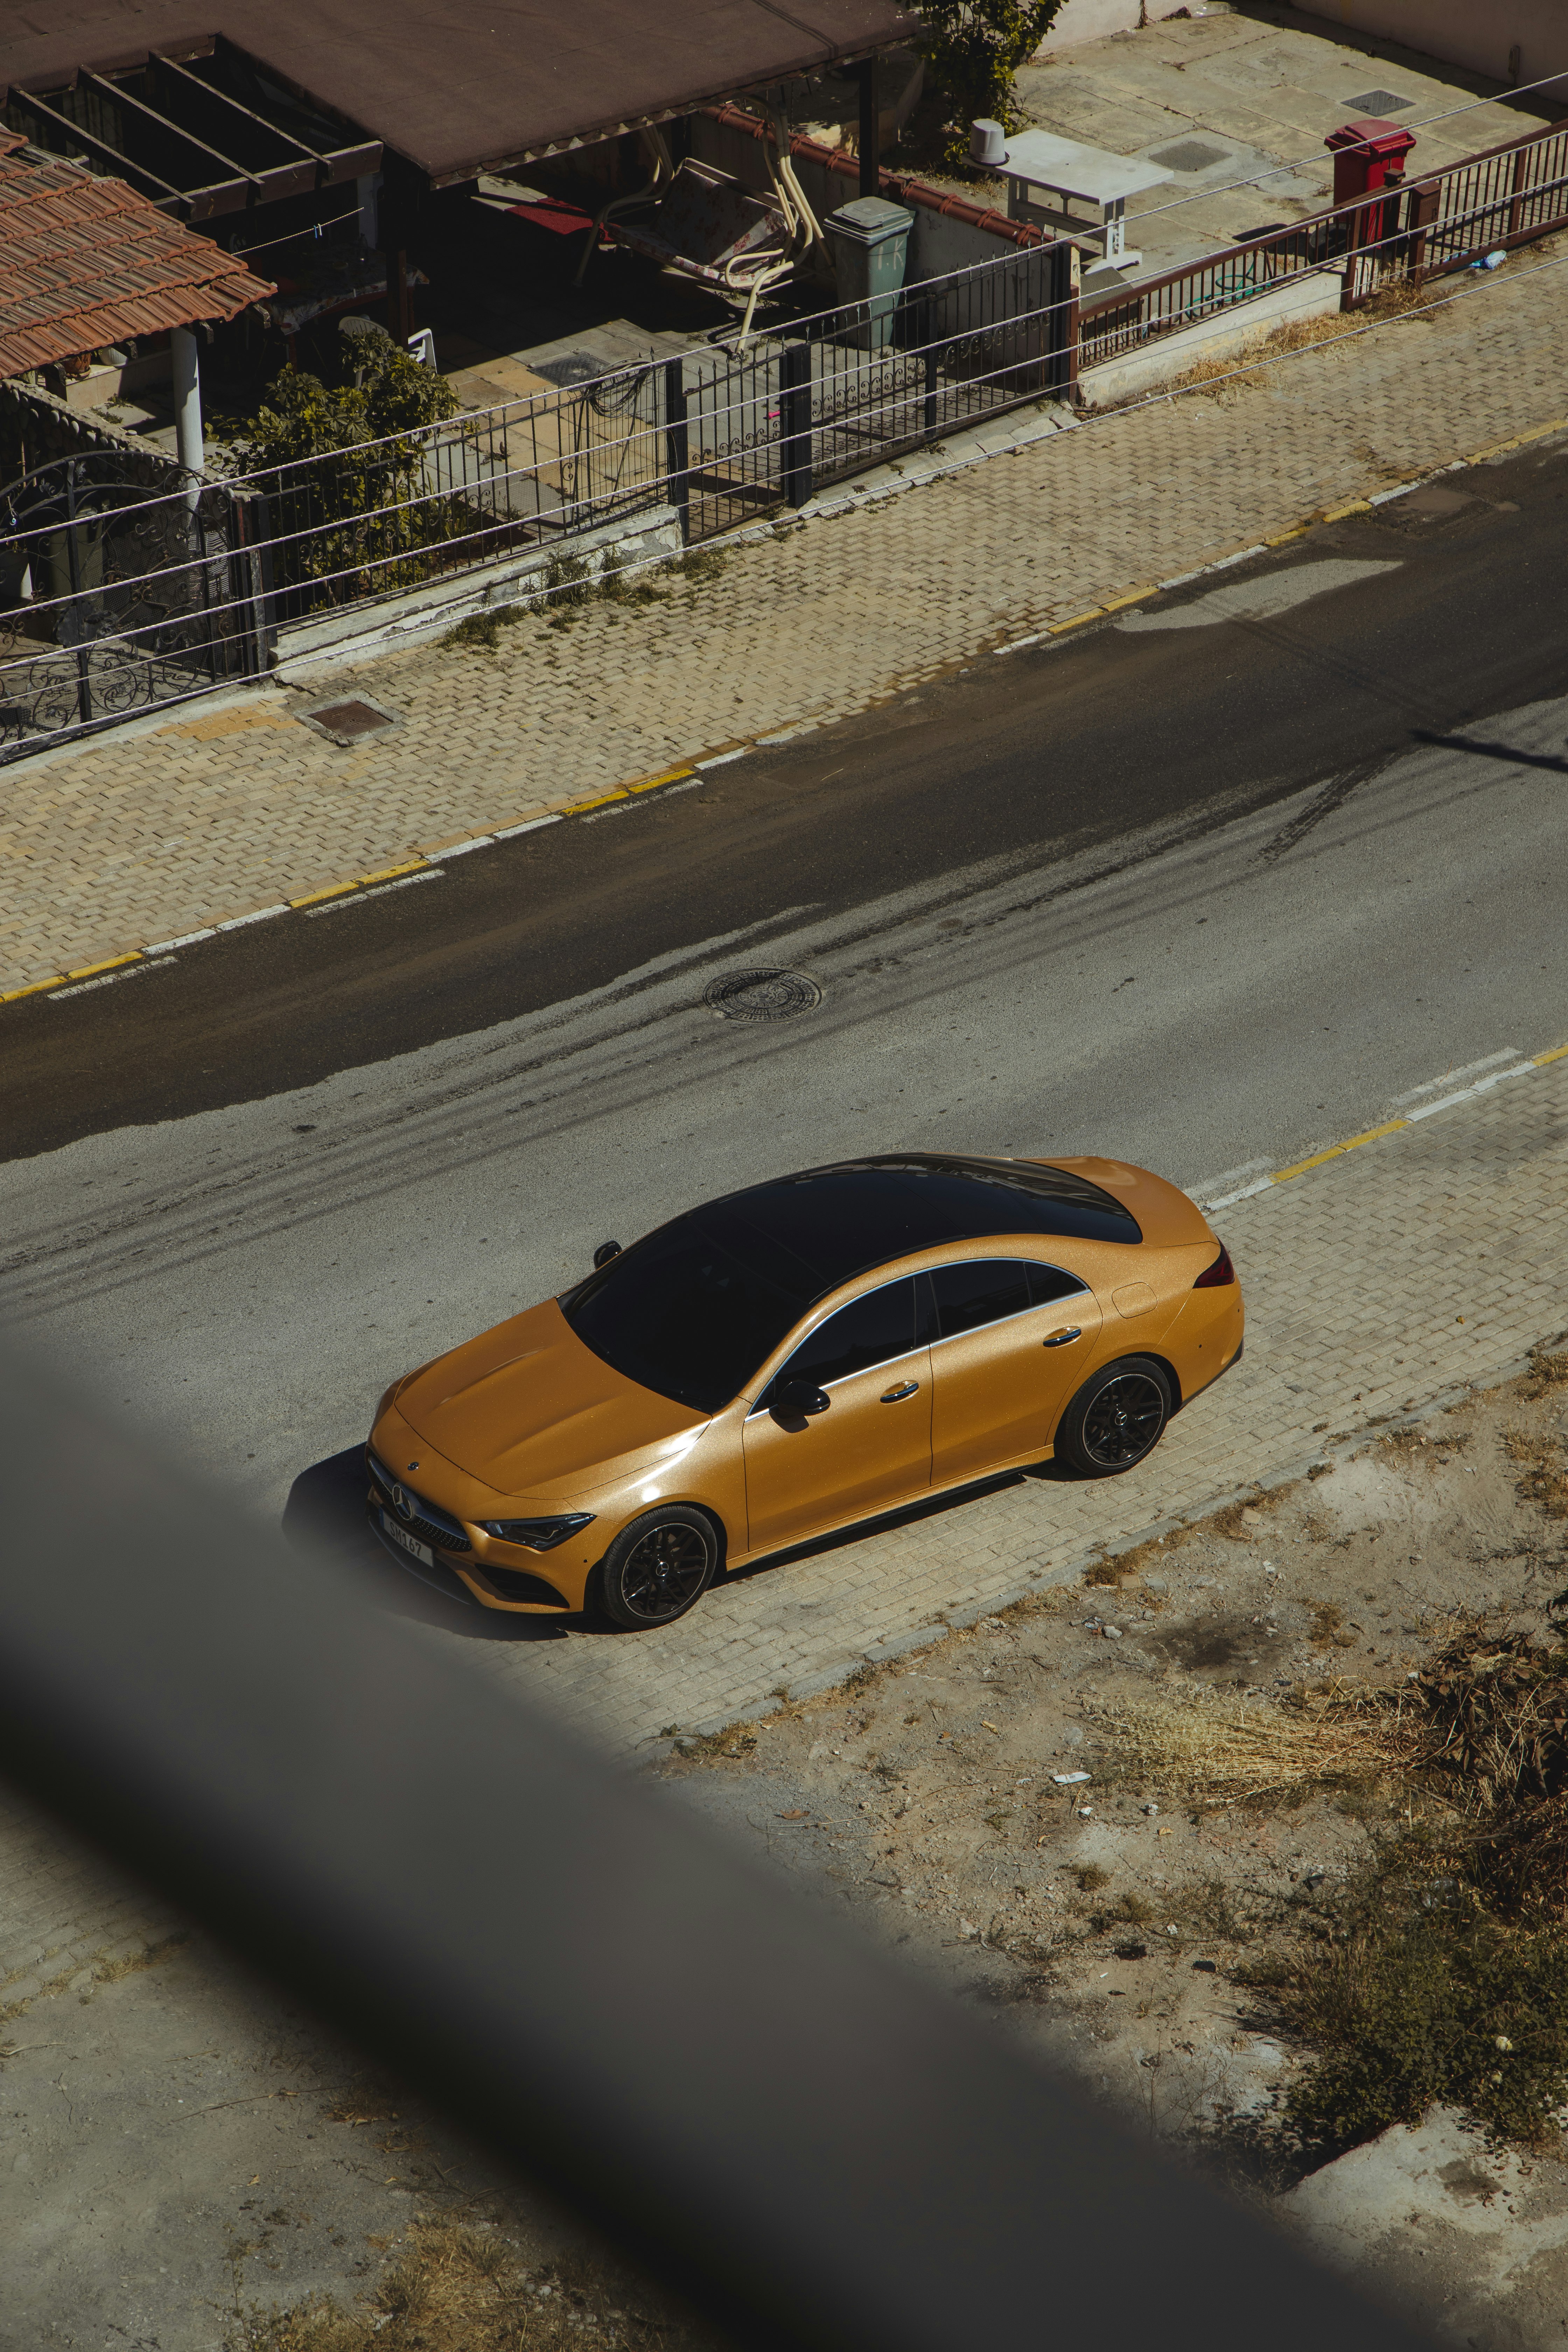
815	1229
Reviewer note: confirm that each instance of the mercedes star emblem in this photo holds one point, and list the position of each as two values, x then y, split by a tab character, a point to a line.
402	1503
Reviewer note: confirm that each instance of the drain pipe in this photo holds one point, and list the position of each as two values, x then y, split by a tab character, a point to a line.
189	448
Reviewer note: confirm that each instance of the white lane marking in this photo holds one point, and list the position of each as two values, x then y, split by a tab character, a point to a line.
1489	1076
649	800
461	848
358	898
530	825
262	914
1263	599
1213	1186
108	978
722	758
1468	1094
1459	1078
188	940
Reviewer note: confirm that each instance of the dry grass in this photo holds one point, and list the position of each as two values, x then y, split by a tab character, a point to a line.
1548	1368
1544	1462
456	2289
1223	1750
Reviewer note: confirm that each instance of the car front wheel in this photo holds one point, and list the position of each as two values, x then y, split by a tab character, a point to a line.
1117	1417
657	1568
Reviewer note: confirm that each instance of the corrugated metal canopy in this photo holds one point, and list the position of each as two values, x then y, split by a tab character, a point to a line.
86	261
464	86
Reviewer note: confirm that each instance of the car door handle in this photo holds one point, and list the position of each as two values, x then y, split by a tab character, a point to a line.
1061	1339
893	1396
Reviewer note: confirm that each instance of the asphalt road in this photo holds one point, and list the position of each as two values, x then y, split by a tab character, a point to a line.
1204	889
1029	760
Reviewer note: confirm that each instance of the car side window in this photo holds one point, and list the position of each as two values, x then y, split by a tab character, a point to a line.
870	1331
986	1290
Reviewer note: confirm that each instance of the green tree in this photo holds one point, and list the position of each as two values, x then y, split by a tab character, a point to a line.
973	49
348	471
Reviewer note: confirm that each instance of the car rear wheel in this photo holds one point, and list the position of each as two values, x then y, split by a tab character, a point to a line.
1117	1417
659	1568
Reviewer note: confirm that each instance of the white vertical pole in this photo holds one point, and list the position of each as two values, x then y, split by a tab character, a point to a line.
189	446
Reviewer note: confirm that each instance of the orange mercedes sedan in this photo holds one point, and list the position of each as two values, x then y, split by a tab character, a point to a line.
795	1357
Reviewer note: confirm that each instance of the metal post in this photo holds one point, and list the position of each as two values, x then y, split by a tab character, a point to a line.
677	452
189	446
794	421
870	169
1424	198
73	563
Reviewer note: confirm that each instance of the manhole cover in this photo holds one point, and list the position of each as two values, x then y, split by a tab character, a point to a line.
1380	101
761	995
1190	155
348	720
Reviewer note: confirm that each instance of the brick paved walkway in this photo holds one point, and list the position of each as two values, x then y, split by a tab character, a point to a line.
1430	1259
146	833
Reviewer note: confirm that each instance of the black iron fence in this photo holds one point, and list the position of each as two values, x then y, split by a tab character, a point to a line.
125	584
117	593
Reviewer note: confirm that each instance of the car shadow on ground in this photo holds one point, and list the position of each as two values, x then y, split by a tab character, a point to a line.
325	1515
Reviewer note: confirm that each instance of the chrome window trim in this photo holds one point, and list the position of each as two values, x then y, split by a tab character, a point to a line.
944	1338
921	1347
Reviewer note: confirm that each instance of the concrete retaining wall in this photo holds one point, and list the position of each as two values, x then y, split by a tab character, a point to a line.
1312	295
329	639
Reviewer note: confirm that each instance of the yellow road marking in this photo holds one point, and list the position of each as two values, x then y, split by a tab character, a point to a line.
388	874
1540	1059
1297	530
33	988
314	897
1356	505
1338	1151
1134	596
111	963
577	807
670	776
1095	613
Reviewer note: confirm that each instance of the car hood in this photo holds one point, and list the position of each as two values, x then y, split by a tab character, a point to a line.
530	1411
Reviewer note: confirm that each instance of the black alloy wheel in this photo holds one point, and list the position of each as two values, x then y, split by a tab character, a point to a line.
659	1567
1117	1417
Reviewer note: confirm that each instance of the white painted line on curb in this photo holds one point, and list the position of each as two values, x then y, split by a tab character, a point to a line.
461	848
530	825
1459	1078
722	758
358	898
166	947
262	914
108	978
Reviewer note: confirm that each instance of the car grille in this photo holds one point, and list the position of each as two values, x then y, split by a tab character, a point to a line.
431	1525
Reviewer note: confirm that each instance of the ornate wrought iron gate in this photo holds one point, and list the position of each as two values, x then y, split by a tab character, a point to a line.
118	592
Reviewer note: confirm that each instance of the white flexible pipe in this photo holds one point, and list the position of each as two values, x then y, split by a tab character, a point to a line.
663	168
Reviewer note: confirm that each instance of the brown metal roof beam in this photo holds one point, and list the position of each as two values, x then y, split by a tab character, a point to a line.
221	97
122	97
122	164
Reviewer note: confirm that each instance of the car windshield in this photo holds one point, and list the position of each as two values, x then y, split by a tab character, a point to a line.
696	1308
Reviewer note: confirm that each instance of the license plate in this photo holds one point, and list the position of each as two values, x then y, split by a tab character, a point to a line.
410	1544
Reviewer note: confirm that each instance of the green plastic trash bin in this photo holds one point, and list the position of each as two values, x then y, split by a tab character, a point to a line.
870	242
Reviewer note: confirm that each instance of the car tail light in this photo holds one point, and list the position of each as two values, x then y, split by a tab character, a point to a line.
1220	1275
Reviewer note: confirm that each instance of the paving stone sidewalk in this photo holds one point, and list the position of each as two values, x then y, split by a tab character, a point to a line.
145	833
1428	1260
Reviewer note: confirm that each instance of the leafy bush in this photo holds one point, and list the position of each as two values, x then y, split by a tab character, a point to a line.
355	505
972	50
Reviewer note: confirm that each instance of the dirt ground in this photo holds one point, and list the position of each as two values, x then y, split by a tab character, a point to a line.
974	1805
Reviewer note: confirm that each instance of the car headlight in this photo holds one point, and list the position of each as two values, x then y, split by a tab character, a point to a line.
540	1535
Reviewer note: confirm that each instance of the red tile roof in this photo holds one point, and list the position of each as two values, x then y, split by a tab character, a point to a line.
85	262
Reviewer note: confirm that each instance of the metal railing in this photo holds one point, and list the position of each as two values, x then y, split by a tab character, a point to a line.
722	434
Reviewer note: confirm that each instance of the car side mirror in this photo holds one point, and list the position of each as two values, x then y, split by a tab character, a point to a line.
605	1253
793	1399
